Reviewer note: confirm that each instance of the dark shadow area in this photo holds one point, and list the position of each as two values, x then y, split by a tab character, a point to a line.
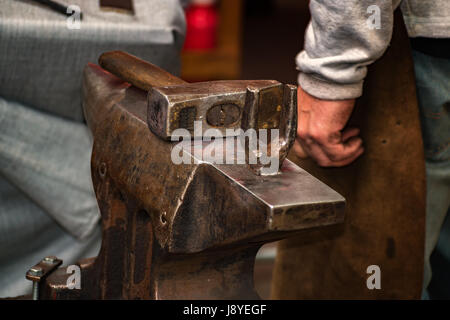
273	36
439	287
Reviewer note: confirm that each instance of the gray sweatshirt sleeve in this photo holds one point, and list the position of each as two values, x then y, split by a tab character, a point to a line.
341	39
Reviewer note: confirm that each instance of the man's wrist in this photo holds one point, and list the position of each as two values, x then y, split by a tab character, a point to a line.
327	90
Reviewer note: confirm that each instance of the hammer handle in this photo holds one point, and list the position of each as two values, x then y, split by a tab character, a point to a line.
138	72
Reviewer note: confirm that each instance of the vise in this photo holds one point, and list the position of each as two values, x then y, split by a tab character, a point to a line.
189	230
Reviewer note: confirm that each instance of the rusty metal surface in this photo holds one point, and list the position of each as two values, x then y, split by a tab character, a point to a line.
188	231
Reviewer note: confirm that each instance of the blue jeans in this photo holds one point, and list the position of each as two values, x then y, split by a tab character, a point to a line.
433	93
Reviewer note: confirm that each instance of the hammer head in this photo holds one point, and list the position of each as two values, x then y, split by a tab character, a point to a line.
222	105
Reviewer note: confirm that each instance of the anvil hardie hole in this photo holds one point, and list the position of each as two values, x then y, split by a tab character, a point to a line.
163	218
102	169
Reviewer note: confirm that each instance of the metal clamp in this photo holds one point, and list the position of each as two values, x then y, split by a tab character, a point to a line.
41	270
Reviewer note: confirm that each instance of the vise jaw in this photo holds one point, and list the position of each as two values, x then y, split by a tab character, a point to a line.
191	230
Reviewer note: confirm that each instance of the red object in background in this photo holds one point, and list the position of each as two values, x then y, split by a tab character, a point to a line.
202	20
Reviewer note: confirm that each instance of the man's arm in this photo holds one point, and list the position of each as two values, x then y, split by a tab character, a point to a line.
339	44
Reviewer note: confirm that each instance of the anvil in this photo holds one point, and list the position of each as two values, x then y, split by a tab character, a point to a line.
181	231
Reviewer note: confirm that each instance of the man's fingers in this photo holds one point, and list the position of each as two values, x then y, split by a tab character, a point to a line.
349	133
299	151
333	155
315	152
344	150
348	160
348	153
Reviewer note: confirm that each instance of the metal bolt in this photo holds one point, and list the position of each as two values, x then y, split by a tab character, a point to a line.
36	272
50	259
35	290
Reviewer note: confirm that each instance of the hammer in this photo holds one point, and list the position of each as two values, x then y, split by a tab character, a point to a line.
226	106
229	104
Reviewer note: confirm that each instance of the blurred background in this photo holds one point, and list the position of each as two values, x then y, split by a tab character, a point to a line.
243	39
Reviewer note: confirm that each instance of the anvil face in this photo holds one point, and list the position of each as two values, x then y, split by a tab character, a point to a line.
292	199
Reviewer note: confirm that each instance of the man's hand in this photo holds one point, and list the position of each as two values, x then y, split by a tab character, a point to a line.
321	134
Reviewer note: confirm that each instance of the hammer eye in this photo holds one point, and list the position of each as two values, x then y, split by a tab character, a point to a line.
223	115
